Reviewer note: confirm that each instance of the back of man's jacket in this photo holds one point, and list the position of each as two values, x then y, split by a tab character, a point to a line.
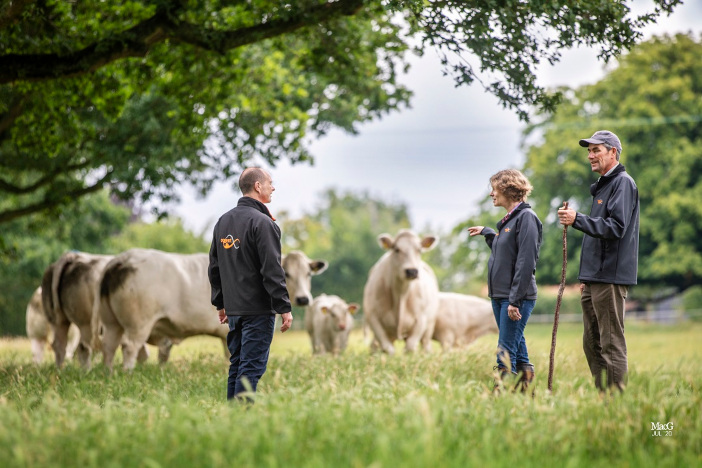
245	271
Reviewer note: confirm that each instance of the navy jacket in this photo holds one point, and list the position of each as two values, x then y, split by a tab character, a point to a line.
610	251
515	250
245	271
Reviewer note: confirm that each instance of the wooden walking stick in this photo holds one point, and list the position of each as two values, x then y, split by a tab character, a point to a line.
558	304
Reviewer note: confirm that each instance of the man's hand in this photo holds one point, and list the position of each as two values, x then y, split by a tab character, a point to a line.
287	321
475	230
513	313
566	216
222	316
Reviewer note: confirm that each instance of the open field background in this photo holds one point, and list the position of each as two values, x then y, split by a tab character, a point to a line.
359	410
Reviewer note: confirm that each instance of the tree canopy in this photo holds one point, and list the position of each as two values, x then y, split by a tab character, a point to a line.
142	96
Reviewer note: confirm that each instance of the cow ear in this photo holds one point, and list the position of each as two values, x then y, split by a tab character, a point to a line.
429	242
325	309
318	266
385	241
353	308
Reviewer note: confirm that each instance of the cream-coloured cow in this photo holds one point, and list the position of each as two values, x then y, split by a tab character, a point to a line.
298	278
401	295
155	297
41	333
462	319
333	321
68	292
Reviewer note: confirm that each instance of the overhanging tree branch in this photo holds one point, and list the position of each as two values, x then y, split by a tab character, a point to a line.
9	215
17	190
138	40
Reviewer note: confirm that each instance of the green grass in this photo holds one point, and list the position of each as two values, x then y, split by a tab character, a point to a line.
358	410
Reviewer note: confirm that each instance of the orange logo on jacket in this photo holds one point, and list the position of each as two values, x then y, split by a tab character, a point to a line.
229	242
599	202
507	229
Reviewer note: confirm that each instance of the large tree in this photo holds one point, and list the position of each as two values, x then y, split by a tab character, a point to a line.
143	95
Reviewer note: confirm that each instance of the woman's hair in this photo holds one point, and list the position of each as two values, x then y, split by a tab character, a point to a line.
512	183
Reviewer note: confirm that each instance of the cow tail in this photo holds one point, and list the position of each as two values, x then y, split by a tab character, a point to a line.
101	304
55	310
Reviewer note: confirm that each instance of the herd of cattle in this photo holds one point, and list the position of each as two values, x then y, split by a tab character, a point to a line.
90	302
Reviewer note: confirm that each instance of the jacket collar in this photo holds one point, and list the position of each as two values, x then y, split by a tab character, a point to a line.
255	204
606	179
523	206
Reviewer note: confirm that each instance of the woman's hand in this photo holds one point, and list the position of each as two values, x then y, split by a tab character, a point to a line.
475	230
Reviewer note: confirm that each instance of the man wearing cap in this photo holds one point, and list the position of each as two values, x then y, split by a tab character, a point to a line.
608	260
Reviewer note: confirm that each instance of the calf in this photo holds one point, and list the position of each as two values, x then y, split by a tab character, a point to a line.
333	320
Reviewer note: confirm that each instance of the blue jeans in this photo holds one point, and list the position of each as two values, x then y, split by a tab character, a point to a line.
511	337
249	342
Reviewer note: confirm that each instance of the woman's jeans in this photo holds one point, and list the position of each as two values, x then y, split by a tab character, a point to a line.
511	342
249	342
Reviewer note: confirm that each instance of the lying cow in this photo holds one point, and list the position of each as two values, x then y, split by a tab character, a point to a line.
462	319
333	320
40	332
68	292
401	295
298	278
160	298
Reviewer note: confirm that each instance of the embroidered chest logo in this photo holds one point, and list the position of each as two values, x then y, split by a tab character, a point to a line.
599	202
507	229
229	242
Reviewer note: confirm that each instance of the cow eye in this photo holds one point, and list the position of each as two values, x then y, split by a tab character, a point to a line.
396	250
287	275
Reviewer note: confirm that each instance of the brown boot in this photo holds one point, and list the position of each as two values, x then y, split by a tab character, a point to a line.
526	375
499	381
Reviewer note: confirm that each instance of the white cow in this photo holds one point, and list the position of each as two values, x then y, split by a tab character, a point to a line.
40	332
298	278
160	298
333	320
68	292
401	296
462	319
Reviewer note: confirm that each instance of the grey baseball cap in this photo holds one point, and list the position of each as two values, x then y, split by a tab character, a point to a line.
603	136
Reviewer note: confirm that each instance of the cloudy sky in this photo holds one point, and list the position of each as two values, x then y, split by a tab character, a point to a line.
435	157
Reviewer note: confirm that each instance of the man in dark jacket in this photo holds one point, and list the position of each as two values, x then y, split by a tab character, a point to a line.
608	260
248	281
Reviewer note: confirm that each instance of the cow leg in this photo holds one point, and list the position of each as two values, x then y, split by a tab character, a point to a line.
84	351
38	350
112	336
380	335
164	350
59	343
426	338
418	332
226	348
143	354
131	345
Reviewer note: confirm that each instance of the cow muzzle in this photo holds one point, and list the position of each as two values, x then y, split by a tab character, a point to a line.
411	273
302	300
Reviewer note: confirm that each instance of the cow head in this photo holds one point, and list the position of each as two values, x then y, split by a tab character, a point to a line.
337	311
405	252
298	276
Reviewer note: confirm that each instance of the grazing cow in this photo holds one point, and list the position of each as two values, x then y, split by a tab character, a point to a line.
298	278
462	319
401	295
40	332
160	298
333	320
68	292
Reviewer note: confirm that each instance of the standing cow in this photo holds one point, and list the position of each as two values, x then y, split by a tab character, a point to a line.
298	278
333	320
462	319
160	298
68	292
401	296
40	331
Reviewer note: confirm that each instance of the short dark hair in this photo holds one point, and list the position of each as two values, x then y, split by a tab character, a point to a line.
249	177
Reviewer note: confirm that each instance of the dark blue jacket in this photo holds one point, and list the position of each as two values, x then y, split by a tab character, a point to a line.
515	250
245	271
610	251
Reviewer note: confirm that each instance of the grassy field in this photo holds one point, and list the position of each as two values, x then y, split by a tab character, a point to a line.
359	410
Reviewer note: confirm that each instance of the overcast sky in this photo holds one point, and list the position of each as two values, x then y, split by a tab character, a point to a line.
435	157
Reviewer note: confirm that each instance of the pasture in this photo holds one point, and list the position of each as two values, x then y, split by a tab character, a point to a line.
358	410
